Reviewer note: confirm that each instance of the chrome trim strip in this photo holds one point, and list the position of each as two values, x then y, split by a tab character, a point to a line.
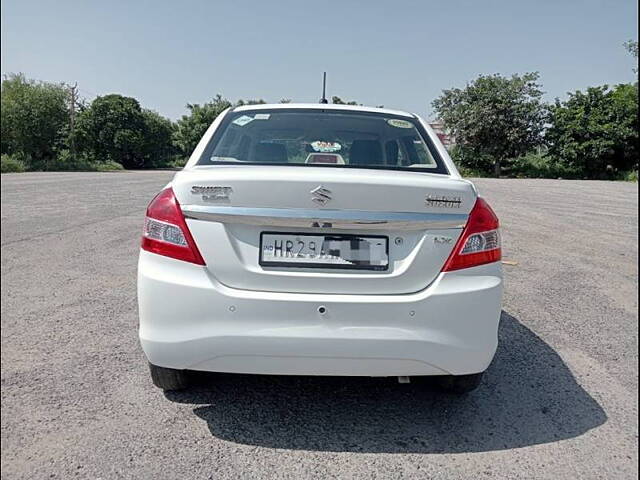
306	218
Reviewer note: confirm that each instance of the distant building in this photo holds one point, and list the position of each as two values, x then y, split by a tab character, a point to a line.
447	140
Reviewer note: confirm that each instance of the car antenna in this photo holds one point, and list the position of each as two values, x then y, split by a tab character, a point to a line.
324	88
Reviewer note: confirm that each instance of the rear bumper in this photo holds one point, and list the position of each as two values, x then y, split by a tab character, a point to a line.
188	320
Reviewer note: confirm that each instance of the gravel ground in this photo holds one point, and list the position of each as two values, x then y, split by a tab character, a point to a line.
559	401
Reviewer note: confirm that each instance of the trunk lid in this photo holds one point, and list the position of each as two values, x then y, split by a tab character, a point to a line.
228	207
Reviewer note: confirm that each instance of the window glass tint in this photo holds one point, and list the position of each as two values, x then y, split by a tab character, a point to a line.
322	138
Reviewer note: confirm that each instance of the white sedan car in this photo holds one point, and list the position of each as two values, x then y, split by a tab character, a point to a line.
313	239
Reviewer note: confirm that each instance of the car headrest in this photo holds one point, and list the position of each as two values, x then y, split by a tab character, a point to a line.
365	152
391	149
270	153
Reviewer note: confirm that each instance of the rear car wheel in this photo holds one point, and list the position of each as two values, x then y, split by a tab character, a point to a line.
460	384
169	378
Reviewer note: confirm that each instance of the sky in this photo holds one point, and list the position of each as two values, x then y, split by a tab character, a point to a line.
396	53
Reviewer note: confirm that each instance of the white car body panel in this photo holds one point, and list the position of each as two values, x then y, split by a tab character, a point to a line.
231	250
235	315
188	320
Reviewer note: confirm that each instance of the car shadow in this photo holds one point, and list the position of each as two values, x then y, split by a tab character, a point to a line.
528	397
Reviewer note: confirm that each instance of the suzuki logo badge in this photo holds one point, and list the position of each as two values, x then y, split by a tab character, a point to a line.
320	195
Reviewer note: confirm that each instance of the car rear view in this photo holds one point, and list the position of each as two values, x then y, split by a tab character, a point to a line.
320	240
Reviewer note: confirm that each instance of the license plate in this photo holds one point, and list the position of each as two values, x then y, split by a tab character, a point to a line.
354	252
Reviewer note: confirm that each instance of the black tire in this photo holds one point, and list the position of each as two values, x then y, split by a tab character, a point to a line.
459	384
169	378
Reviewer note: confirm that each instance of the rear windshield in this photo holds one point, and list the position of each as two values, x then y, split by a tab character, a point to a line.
330	138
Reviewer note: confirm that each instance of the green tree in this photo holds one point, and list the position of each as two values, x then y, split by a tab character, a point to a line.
34	119
338	101
494	118
632	48
241	102
112	128
191	127
158	149
115	128
596	131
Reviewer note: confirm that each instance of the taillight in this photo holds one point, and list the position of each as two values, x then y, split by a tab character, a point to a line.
165	230
480	240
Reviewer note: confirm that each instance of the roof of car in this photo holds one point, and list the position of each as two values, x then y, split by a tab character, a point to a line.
322	106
